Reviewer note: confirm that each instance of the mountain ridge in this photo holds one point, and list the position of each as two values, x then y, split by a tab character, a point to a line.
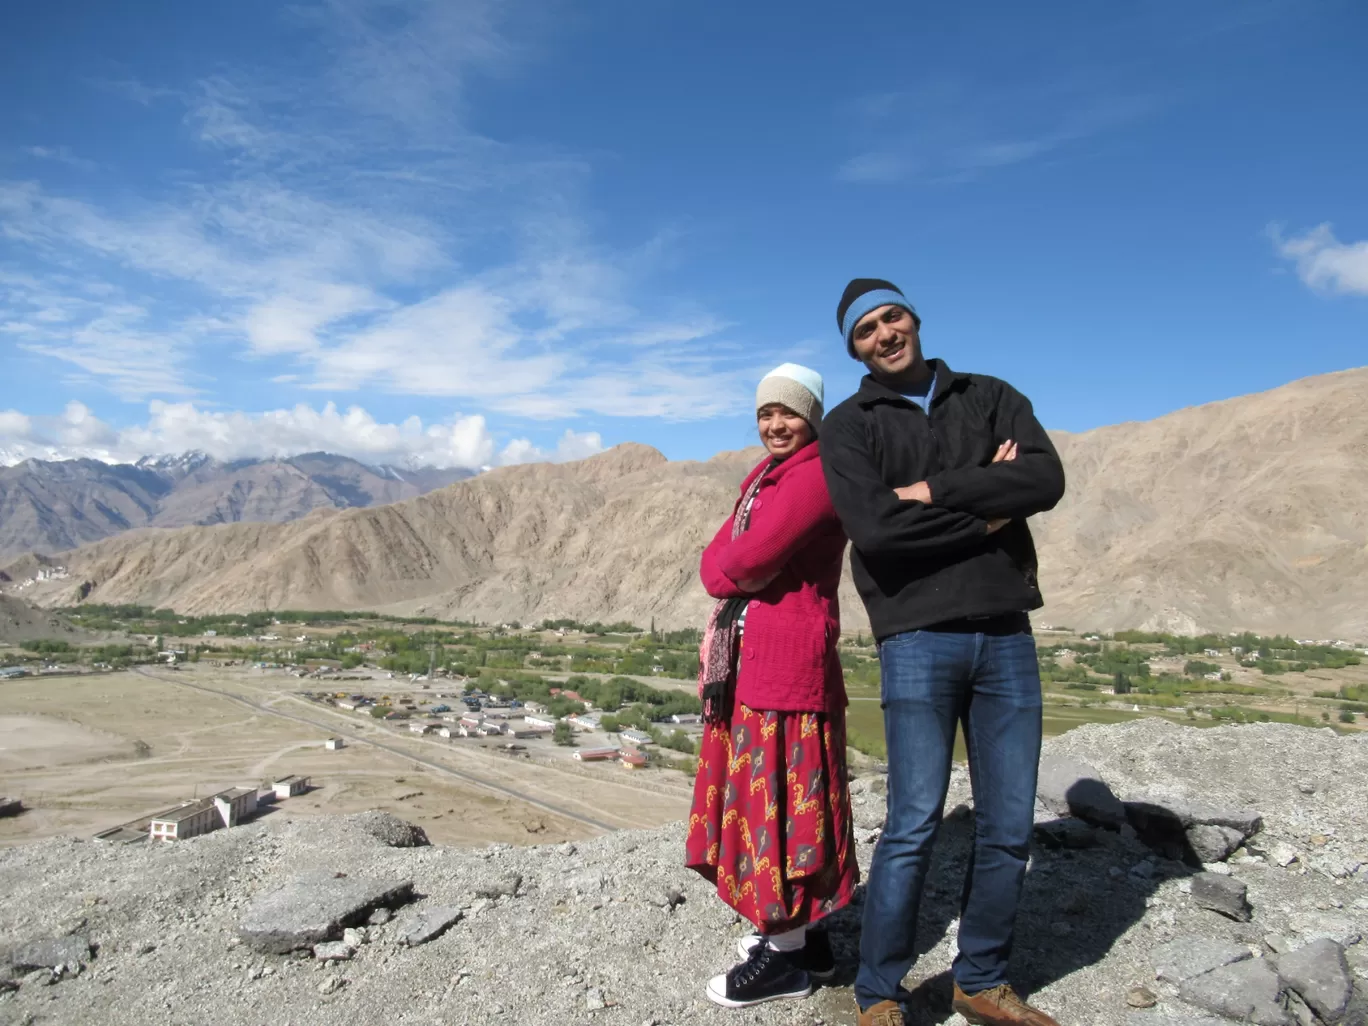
49	506
1247	513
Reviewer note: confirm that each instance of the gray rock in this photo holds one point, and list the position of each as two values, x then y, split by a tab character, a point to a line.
1066	833
315	907
878	784
869	816
593	999
498	888
353	937
1213	843
51	954
1141	997
1185	957
332	951
379	917
427	924
1223	894
1248	991
391	830
331	985
1068	787
1158	1017
1319	973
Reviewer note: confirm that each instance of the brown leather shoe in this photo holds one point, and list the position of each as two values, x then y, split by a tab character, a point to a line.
885	1013
998	1006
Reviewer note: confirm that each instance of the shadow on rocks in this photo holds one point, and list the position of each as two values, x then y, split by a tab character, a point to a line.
1088	883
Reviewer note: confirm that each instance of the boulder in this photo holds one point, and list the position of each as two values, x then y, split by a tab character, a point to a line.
1069	787
316	907
1185	957
1247	991
1065	833
428	924
1213	843
391	830
1319	973
54	953
1223	894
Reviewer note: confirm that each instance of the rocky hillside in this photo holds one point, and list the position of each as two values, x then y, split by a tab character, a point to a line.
1251	512
342	920
1245	514
49	506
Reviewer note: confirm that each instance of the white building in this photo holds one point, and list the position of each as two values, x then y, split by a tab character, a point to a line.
585	720
540	722
686	718
333	744
288	787
636	737
227	809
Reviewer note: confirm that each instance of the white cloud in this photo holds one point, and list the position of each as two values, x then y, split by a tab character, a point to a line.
1323	262
331	241
571	446
463	441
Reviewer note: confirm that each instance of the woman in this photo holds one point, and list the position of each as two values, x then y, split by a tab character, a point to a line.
770	823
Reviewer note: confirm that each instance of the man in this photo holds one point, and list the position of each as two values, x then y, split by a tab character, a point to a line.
933	473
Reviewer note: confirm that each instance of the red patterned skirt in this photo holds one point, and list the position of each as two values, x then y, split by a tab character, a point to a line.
770	823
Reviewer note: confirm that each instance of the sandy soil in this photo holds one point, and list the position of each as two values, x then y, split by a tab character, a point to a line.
88	753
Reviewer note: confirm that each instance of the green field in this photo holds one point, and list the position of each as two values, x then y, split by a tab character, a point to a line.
864	724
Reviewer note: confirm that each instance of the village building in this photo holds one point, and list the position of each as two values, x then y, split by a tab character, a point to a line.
636	737
686	718
333	744
633	760
288	787
540	722
226	809
596	754
585	720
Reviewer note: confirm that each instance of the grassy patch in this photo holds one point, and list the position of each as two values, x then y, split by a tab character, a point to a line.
865	733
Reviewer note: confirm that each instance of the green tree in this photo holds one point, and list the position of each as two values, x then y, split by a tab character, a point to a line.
563	734
1121	684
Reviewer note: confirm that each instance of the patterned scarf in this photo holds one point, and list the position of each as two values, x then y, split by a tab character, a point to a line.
721	639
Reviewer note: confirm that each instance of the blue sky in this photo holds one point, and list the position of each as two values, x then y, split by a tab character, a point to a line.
472	232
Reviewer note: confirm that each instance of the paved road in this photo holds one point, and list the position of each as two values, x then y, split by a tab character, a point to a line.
392	749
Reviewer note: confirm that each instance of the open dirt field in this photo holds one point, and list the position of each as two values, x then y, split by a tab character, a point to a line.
90	752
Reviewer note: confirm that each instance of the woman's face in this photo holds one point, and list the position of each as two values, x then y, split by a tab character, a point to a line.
782	431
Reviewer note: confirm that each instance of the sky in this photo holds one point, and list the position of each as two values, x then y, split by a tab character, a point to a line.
478	232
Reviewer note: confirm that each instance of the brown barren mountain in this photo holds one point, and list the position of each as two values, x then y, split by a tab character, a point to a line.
1248	513
53	505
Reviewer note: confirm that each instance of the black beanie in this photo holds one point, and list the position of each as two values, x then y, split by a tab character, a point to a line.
857	288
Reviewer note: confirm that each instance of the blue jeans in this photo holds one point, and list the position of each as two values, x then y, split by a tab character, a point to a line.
932	680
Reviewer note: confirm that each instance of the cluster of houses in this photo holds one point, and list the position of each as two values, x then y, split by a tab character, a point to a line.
196	816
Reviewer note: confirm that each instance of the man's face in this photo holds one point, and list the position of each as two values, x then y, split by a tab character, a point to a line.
886	340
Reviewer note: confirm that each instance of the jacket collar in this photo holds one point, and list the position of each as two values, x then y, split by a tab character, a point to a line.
806	454
871	391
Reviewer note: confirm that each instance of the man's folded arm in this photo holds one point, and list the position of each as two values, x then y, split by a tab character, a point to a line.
876	521
1013	489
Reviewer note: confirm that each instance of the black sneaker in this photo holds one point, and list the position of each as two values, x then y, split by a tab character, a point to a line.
766	975
815	957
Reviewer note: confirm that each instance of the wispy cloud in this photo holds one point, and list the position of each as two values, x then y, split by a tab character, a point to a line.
462	441
1325	263
946	131
344	239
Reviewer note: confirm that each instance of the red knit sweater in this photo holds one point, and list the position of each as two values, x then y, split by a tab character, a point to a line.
789	660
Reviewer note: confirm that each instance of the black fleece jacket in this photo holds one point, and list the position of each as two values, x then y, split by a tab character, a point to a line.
917	565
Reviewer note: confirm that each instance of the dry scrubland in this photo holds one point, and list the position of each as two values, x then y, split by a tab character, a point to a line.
90	752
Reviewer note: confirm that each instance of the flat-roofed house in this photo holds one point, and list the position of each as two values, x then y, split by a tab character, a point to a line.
288	787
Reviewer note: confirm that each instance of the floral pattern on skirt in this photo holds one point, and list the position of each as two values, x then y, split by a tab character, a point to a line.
770	823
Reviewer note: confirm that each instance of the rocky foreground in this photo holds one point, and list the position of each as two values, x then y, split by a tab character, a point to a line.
356	920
